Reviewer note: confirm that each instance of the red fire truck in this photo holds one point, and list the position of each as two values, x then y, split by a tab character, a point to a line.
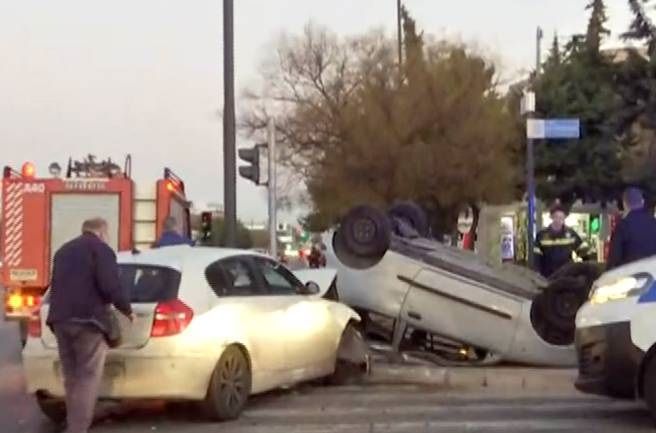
39	214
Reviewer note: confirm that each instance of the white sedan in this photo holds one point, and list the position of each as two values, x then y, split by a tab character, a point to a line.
214	326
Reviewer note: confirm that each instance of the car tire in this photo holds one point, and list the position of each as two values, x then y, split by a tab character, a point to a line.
53	408
413	214
348	371
230	386
363	237
366	231
562	300
649	386
589	272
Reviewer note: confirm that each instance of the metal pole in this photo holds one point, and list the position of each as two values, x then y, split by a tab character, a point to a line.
399	35
530	167
273	243
229	156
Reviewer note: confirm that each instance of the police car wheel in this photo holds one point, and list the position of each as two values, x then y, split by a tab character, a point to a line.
649	386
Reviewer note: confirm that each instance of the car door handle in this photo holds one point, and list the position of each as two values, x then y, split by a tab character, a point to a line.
414	315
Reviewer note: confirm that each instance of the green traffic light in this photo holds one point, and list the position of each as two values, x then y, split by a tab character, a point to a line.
595	225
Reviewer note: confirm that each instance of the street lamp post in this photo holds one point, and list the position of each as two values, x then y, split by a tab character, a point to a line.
530	166
399	35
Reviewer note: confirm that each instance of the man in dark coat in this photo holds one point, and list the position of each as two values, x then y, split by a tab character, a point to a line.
635	236
171	236
85	283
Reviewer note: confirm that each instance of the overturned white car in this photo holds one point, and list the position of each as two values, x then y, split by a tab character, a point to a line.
449	305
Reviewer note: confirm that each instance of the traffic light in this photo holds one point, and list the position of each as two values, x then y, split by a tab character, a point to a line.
595	224
251	171
206	226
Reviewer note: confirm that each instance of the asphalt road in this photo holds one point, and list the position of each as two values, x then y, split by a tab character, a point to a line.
354	409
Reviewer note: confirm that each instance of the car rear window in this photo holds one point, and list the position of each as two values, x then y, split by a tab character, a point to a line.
148	284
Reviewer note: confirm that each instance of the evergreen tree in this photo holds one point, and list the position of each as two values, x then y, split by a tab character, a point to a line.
578	83
596	26
642	28
554	58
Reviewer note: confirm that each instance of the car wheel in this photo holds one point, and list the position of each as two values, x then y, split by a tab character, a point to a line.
363	237
649	386
230	385
352	361
413	214
53	408
562	301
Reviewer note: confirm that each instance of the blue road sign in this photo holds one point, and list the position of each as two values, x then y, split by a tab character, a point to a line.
562	128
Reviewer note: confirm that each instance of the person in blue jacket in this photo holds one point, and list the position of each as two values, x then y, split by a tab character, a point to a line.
171	236
635	236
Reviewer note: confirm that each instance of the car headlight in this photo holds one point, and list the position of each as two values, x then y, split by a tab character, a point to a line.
622	288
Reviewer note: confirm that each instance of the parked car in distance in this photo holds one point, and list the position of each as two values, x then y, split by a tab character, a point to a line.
212	326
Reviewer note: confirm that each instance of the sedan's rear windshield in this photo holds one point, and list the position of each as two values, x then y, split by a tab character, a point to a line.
148	284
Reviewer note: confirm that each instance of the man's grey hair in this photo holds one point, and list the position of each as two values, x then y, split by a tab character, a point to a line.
94	225
170	223
633	198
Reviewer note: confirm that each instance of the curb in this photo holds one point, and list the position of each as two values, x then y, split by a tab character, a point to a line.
476	379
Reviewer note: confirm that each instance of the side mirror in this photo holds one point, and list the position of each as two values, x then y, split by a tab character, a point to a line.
310	288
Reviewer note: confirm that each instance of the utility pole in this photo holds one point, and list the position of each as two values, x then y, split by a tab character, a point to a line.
530	164
399	34
229	163
273	241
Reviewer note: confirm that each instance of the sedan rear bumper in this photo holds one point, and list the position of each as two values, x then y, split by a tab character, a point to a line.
130	377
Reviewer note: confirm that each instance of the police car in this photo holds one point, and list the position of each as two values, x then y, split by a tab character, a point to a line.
616	334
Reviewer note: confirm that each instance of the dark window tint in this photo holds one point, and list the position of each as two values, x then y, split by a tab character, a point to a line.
233	277
279	280
149	284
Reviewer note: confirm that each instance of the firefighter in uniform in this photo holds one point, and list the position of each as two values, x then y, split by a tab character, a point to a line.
555	245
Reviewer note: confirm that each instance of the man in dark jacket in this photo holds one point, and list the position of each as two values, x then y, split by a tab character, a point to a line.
171	236
85	282
635	236
555	244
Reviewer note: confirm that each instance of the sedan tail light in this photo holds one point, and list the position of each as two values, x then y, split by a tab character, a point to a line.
171	318
34	325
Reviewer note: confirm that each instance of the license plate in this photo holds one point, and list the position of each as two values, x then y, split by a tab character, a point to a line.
23	274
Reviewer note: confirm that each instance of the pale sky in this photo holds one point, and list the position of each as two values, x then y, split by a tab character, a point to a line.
144	77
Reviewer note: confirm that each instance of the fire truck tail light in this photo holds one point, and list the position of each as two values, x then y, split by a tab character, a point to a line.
28	170
15	301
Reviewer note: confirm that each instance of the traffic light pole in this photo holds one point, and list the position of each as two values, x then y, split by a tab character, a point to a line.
273	243
229	156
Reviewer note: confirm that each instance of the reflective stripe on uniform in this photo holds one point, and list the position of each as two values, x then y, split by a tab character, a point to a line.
537	250
557	242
